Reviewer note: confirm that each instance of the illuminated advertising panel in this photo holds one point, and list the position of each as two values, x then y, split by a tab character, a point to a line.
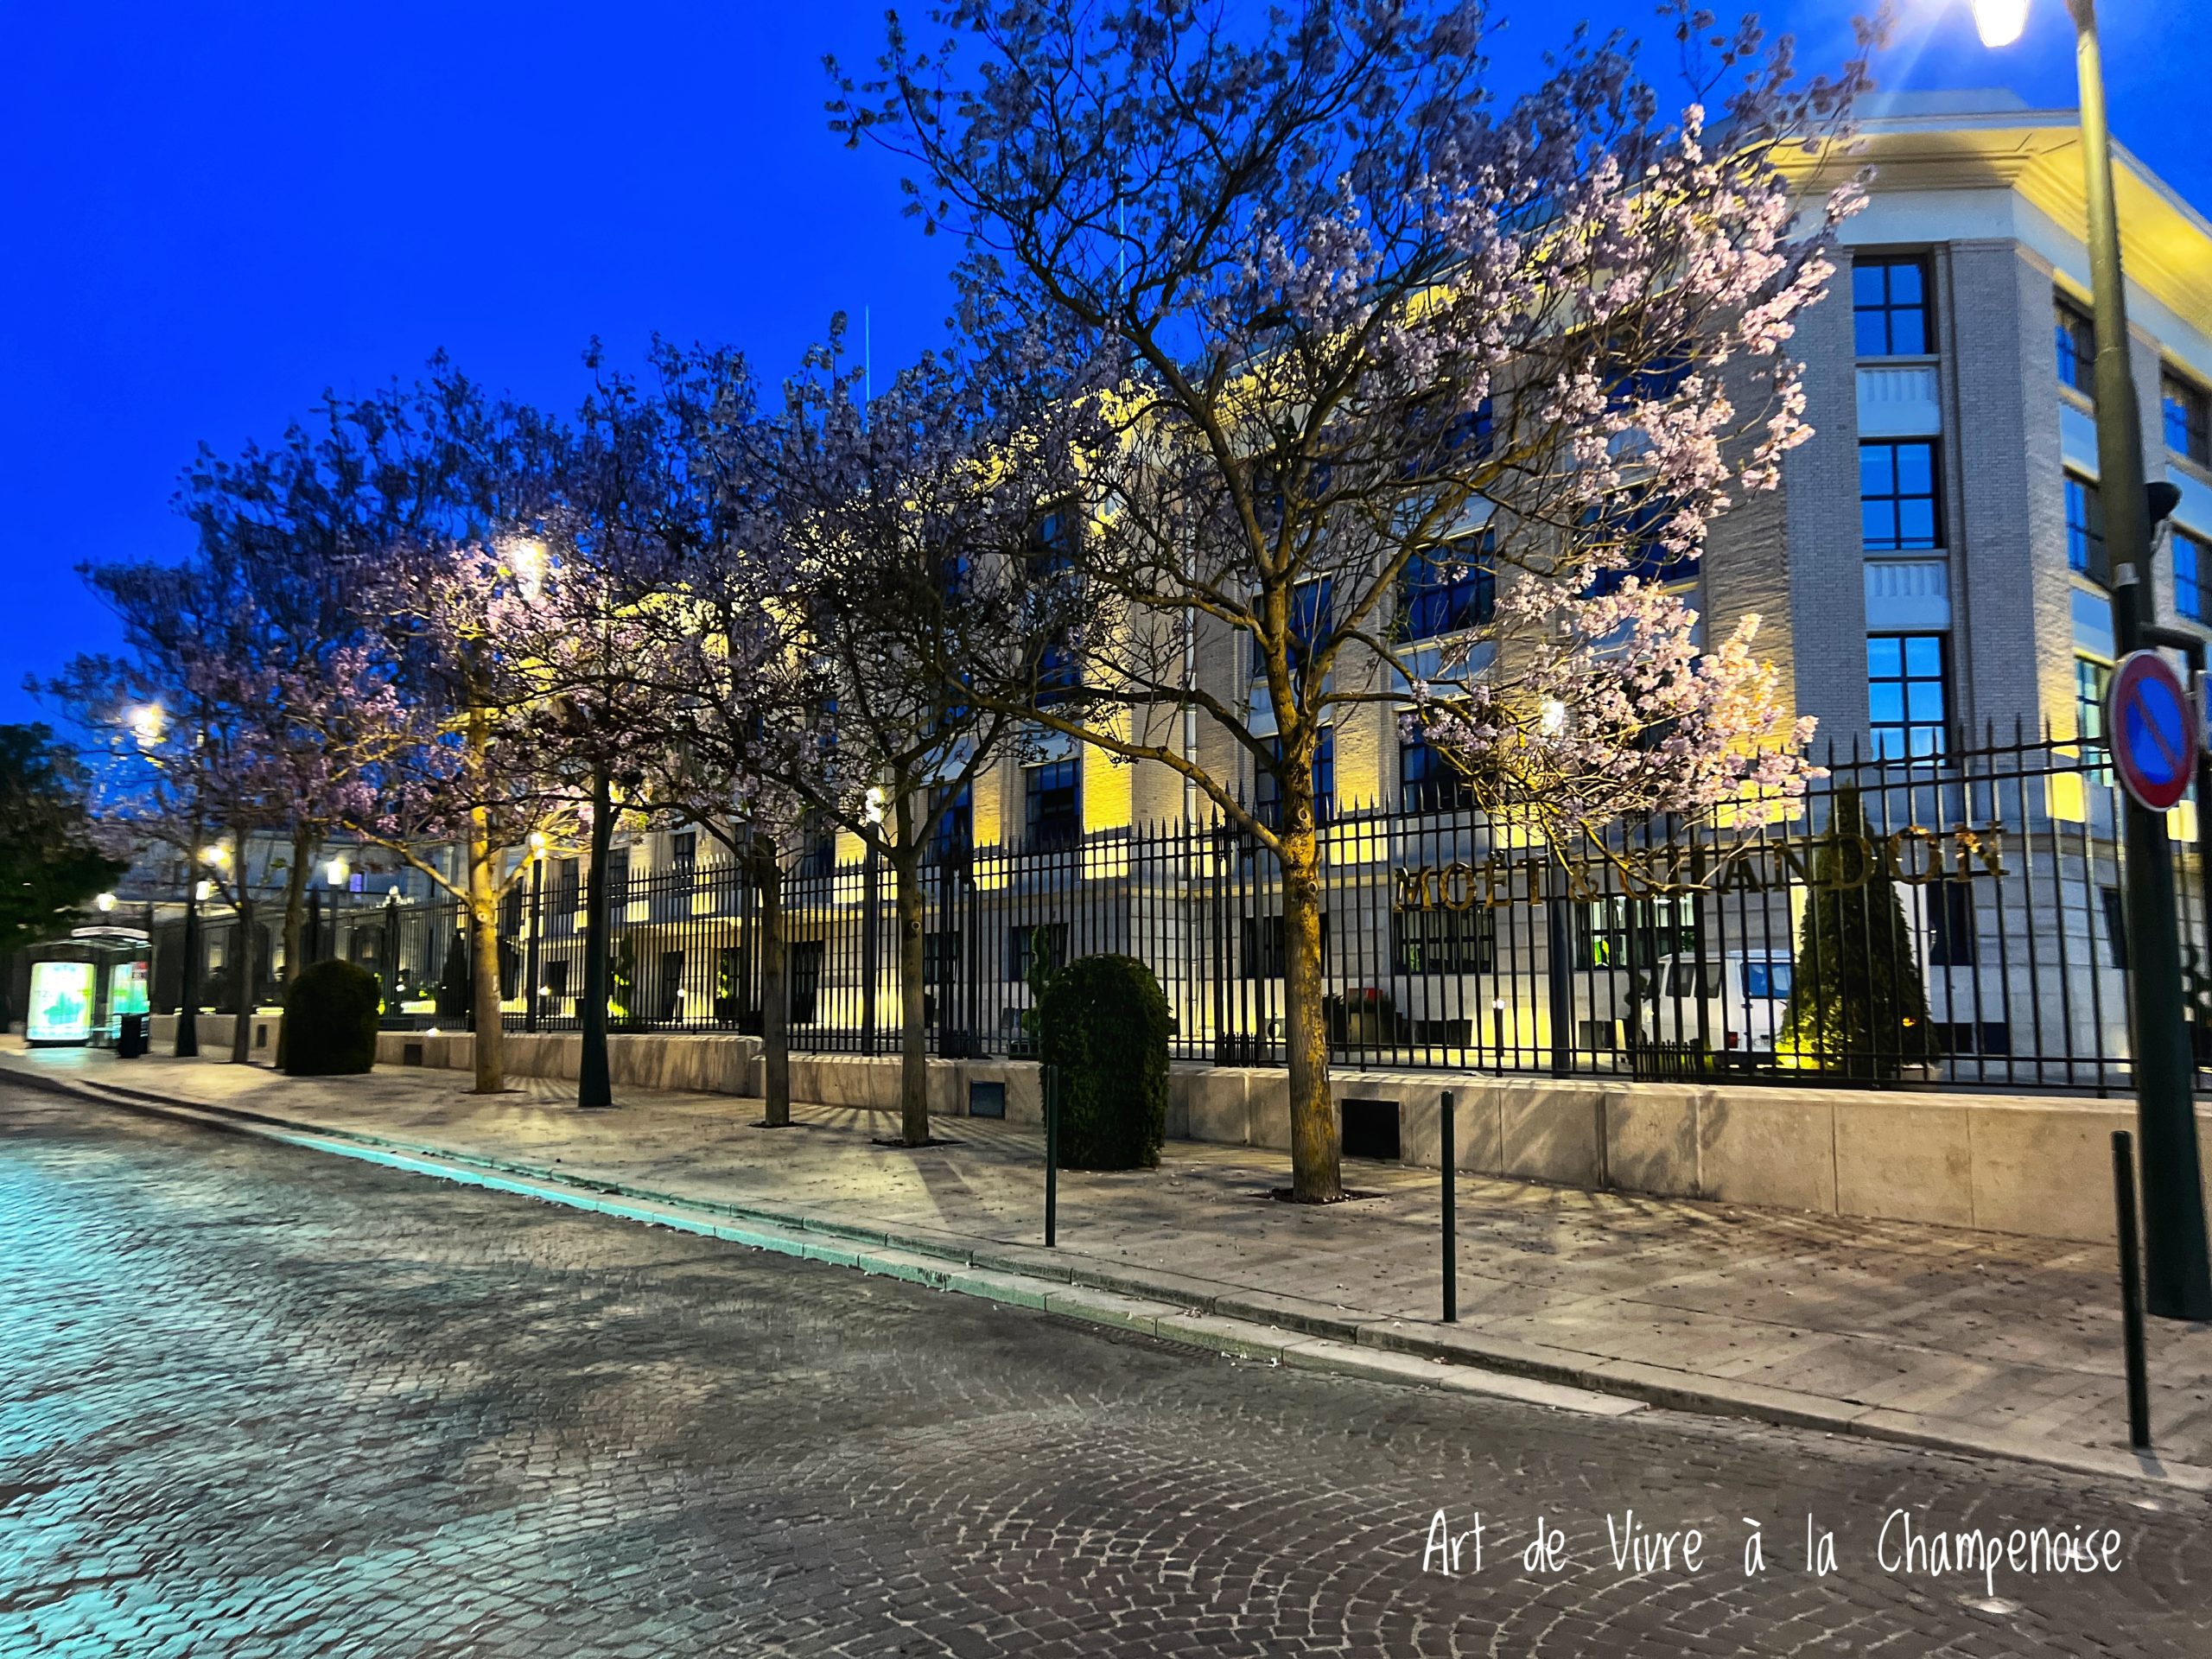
126	994
61	1002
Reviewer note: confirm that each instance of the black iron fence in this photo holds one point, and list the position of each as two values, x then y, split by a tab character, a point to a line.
1958	924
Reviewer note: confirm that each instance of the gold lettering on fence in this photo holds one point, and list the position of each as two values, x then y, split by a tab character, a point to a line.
1916	854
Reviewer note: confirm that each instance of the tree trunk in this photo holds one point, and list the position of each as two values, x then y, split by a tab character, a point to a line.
913	1032
775	990
1316	1166
296	888
593	1089
483	952
242	1020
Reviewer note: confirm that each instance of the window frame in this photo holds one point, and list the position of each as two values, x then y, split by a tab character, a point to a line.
1470	584
2196	415
2192	598
2073	327
2088	532
1059	828
1899	496
1887	308
1905	679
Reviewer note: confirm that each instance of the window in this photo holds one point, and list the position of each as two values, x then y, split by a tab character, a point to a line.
2187	411
2115	908
1053	796
2085	529
683	852
567	885
1650	560
1907	695
1889	306
1024	945
1896	495
1768	979
1267	792
940	957
617	876
1618	932
2077	348
1442	941
1051	545
1058	674
1448	591
2192	575
1429	783
952	833
1950	924
1309	619
2091	682
818	854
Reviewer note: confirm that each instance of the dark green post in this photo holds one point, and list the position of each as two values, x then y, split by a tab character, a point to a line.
1451	1209
1051	1087
2177	1277
595	1092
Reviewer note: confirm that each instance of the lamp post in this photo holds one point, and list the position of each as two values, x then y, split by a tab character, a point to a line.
2177	1274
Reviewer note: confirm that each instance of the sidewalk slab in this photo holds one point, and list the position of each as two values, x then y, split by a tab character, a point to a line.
1991	1343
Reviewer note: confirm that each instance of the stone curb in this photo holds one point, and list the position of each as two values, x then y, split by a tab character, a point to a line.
1251	1324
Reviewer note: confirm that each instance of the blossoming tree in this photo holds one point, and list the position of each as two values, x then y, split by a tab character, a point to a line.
1370	322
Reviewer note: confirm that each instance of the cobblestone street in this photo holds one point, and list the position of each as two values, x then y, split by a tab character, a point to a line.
255	1399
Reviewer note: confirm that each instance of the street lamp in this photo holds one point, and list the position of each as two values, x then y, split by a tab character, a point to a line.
105	903
2177	1274
337	870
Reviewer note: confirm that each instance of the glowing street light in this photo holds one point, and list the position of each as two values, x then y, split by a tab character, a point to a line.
106	902
146	723
217	854
1553	719
2001	21
337	870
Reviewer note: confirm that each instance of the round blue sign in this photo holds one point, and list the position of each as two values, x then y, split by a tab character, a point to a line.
2152	729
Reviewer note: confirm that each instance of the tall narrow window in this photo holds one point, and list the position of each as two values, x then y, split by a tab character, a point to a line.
1890	313
2192	575
1896	495
2077	348
1052	793
683	852
2090	679
2187	417
2085	529
1908	696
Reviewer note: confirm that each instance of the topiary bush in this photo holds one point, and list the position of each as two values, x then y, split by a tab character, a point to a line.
330	1020
1103	1022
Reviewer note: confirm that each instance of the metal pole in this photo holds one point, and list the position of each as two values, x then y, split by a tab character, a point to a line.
1050	1076
2178	1280
593	1087
1451	1210
530	965
1557	953
186	1046
2131	1300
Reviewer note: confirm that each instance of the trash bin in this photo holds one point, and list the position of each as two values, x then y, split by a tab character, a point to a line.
131	1035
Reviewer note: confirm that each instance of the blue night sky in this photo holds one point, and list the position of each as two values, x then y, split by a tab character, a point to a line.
212	212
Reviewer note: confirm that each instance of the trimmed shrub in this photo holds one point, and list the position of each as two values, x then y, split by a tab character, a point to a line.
1857	1006
330	1020
1103	1022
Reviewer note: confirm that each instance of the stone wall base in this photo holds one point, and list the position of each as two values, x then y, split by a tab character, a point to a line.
2008	1163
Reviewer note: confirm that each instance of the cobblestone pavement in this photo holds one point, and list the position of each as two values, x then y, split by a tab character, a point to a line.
1978	1337
254	1400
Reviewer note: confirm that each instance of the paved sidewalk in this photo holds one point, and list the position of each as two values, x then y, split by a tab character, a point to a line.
1982	1341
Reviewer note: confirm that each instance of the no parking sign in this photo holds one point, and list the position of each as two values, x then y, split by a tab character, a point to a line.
2151	725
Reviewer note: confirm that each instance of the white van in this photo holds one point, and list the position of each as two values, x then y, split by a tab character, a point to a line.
1745	992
